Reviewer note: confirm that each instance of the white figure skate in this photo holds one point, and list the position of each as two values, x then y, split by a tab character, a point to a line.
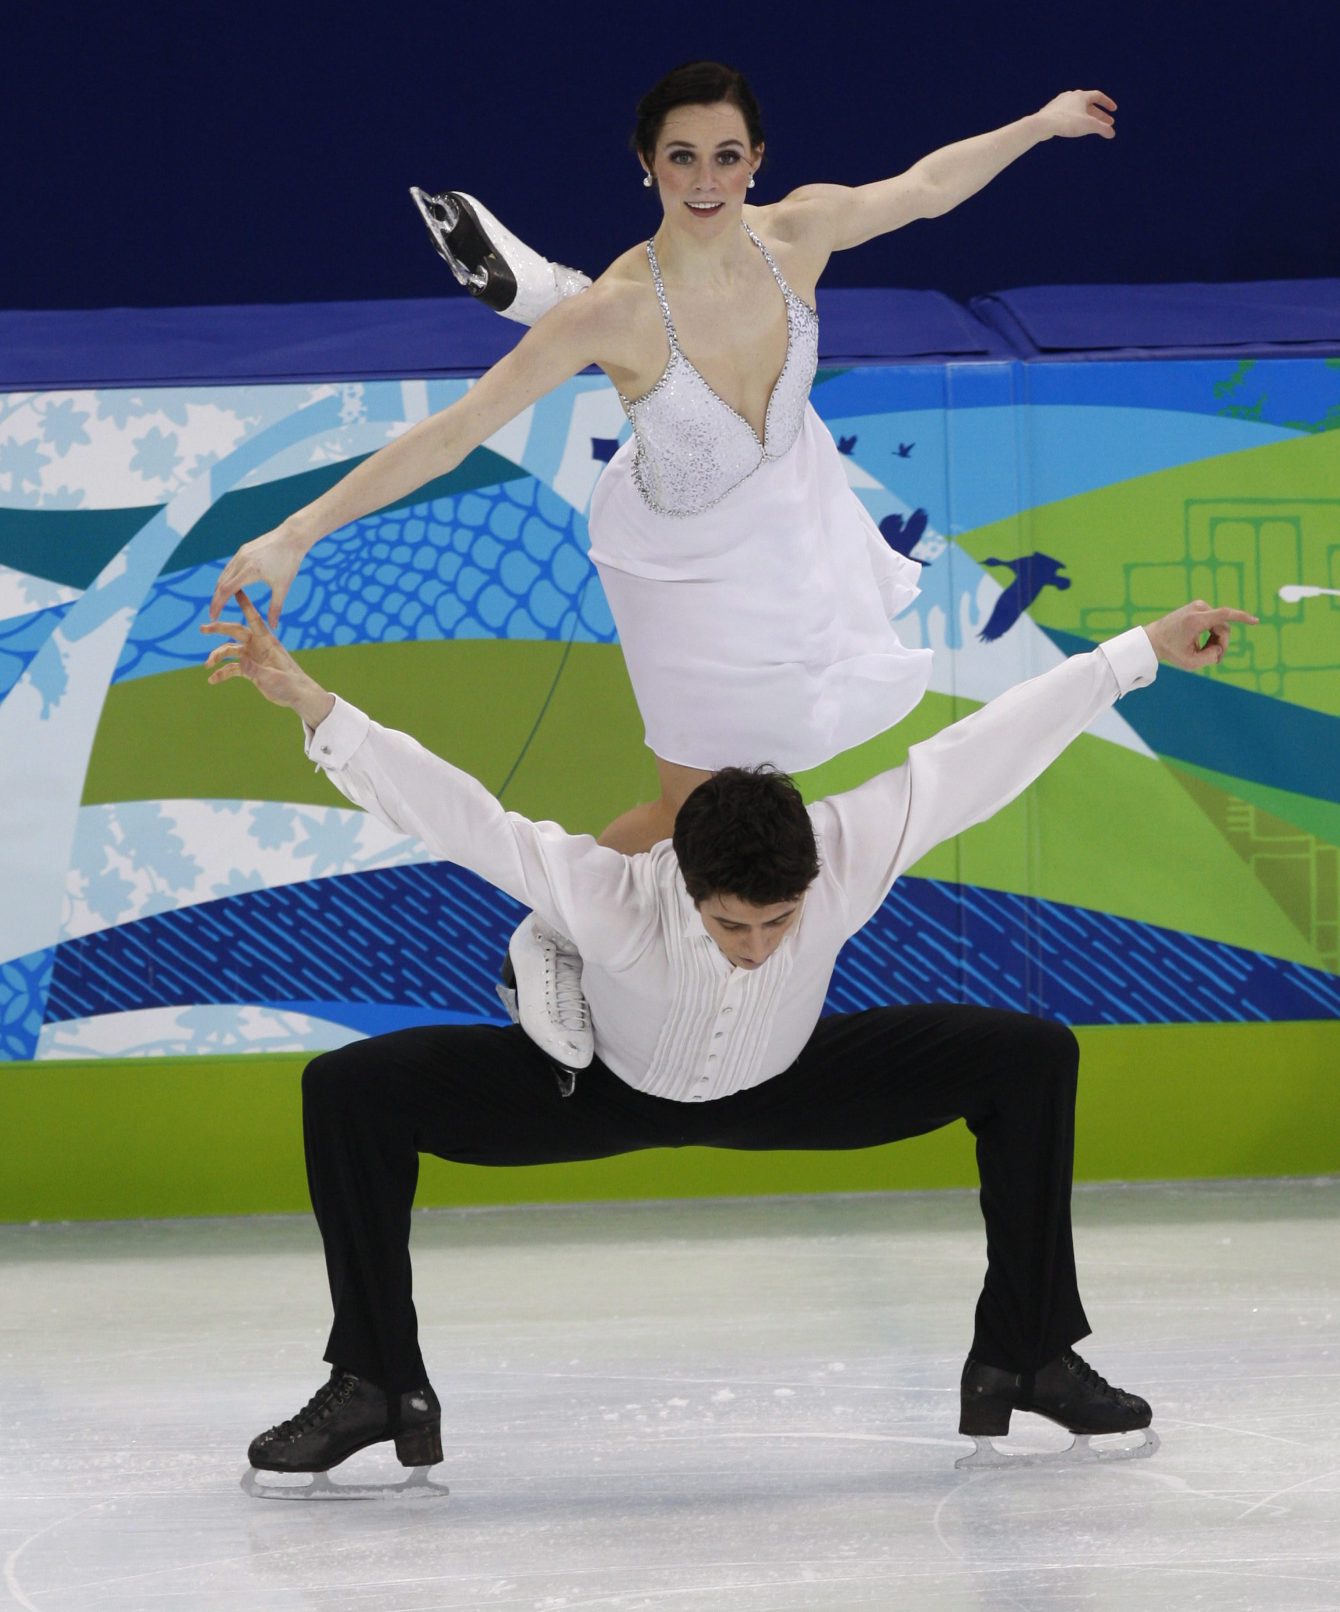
490	262
544	994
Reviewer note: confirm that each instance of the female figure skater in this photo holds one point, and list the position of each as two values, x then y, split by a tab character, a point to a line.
751	590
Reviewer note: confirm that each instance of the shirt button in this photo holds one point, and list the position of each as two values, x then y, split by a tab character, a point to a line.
726	1010
717	1035
325	749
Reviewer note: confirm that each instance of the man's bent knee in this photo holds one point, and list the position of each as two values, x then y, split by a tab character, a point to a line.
333	1077
1055	1046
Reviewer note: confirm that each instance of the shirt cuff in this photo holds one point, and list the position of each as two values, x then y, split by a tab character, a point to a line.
1132	659
332	744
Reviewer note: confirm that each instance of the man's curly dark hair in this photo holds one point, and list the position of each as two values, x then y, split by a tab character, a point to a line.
744	832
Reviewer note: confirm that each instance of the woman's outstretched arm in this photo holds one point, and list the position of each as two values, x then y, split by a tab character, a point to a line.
581	331
835	217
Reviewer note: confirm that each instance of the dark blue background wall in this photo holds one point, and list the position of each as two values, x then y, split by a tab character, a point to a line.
248	152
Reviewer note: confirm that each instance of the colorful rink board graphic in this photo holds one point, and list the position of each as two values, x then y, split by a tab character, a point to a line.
179	882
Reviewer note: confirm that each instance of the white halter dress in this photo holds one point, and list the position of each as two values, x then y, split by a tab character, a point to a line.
751	589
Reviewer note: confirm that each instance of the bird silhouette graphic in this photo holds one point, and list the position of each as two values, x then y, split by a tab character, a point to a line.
905	449
904	535
1032	573
846	444
604	448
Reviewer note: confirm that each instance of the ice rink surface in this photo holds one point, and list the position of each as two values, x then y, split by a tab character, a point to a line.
681	1407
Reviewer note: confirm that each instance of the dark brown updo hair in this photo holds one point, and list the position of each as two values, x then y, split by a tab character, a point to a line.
694	84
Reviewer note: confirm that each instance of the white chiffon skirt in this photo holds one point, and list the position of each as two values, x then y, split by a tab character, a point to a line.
759	630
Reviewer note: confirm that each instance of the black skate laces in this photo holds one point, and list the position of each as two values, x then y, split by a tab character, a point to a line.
1089	1377
329	1398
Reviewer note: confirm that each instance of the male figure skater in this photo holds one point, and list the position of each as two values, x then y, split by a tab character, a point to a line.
707	960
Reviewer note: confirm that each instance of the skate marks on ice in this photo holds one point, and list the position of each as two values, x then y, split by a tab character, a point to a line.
680	1408
413	1490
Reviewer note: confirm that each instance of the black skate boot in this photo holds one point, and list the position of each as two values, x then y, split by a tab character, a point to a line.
1066	1390
345	1415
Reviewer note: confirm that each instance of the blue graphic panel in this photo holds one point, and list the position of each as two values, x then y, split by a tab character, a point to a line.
23	986
20	639
427	935
937	942
432	936
496	562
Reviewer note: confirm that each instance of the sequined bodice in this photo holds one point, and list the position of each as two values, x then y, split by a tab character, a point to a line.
692	447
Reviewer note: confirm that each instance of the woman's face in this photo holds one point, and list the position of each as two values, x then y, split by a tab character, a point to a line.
703	165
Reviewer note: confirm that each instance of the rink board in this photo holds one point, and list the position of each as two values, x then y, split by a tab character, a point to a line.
147	1138
190	910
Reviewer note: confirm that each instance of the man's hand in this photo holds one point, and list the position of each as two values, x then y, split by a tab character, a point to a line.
253	652
1196	635
1076	112
272	558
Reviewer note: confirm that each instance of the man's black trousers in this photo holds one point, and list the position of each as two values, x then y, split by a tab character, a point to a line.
482	1095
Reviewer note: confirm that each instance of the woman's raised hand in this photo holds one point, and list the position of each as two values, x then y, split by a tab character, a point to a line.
252	651
1076	112
272	558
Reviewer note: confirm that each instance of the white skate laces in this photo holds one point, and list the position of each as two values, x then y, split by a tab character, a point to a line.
550	1004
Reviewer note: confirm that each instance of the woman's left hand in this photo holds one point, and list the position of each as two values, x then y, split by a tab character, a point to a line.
1076	112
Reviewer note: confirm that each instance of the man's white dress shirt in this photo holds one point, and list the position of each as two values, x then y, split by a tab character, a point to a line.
671	1015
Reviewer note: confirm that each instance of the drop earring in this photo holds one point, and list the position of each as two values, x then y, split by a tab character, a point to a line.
646	181
751	181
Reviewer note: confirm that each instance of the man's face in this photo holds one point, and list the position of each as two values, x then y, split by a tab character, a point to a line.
748	935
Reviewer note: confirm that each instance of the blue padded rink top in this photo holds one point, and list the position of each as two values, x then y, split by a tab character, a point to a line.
677	1407
419	337
454	336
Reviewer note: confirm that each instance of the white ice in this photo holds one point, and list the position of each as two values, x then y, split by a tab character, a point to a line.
679	1407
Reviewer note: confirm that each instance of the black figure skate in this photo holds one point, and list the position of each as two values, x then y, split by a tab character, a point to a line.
1067	1391
490	262
345	1415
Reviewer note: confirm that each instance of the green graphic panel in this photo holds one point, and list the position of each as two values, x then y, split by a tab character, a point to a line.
559	722
1232	530
213	1136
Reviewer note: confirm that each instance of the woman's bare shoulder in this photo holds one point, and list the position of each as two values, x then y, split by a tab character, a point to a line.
796	219
787	229
629	272
614	323
622	298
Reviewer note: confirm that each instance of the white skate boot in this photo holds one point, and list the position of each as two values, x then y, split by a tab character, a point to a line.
490	262
544	995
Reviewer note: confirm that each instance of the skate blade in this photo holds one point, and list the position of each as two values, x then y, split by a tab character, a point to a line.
1079	1451
464	244
442	216
417	1487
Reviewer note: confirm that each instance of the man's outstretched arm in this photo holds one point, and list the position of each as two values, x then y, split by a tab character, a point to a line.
973	768
586	889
